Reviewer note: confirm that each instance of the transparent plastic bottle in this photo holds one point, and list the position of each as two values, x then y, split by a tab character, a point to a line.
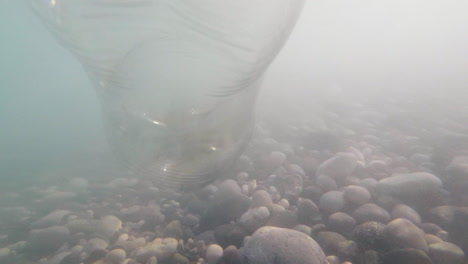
177	79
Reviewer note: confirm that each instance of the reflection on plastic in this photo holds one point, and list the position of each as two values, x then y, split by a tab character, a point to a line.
177	79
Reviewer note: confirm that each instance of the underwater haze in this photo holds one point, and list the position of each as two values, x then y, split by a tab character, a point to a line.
233	132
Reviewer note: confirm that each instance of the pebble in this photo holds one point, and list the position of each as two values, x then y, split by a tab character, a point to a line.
356	194
402	233
230	234
369	236
404	211
326	183
339	166
231	255
341	223
445	253
332	202
254	218
371	212
162	249
273	245
116	256
307	211
213	254
261	198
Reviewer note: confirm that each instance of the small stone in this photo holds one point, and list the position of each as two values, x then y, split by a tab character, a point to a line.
333	260
254	218
96	243
284	203
445	252
152	260
369	236
304	229
116	256
356	194
341	222
430	239
326	183
402	233
230	234
404	211
174	229
162	249
261	198
273	245
277	158
179	259
231	255
371	212
332	202
307	211
339	166
213	254
430	228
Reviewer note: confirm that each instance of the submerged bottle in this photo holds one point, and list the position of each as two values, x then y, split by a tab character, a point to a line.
177	79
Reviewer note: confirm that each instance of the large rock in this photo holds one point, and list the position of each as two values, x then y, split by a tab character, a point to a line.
273	245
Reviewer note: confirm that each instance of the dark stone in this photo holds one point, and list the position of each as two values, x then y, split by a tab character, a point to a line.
369	236
231	255
307	211
224	211
312	192
230	234
285	219
73	258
